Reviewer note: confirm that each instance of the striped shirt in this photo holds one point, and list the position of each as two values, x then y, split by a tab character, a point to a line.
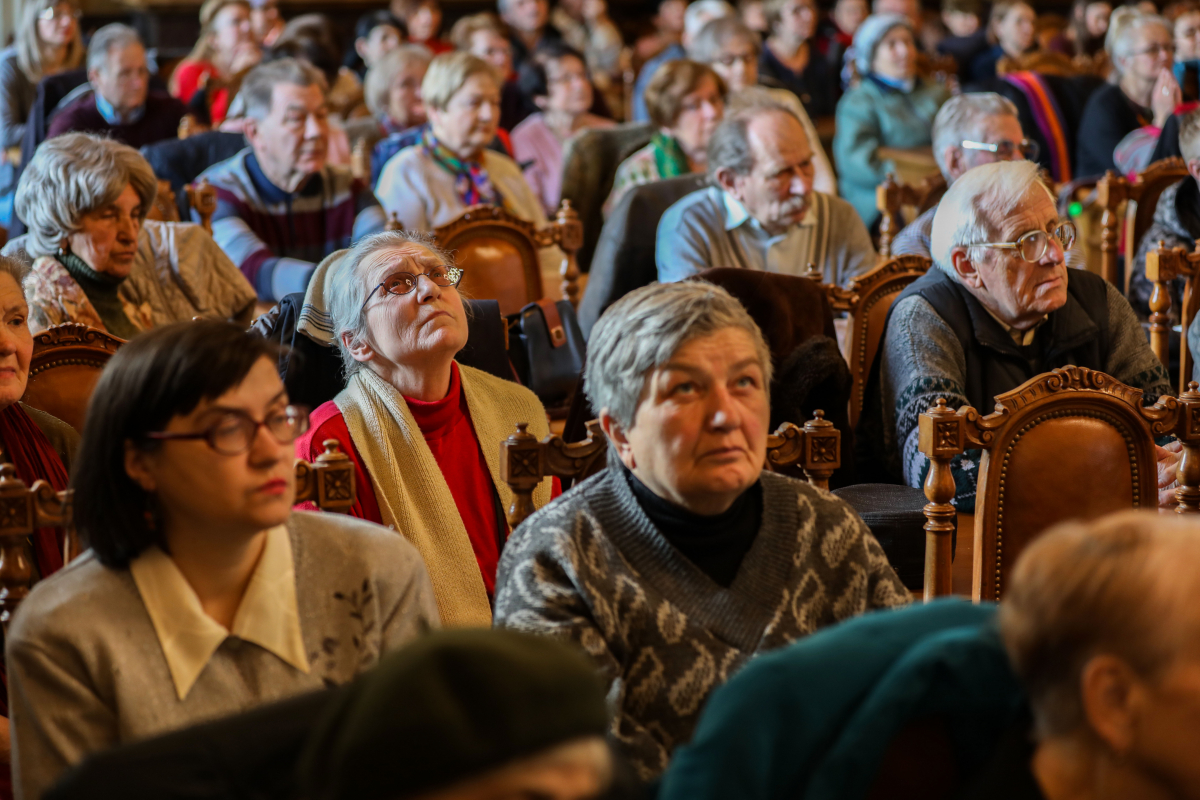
276	237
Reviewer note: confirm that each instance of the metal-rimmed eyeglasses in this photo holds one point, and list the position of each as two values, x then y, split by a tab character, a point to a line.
1032	246
234	432
52	13
1005	148
399	283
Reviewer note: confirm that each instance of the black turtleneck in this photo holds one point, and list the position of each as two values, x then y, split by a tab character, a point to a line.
102	291
716	544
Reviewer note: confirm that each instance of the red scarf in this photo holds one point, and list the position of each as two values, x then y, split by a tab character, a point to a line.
34	458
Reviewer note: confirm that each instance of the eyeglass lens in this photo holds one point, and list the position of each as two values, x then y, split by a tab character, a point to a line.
235	433
1035	243
405	282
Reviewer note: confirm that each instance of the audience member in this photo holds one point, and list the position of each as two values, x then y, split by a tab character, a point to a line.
423	19
966	37
1176	220
1144	93
121	104
998	308
732	50
751	13
202	593
47	42
1099	620
376	34
1089	24
280	207
265	21
668	31
969	130
422	430
485	36
761	211
310	38
392	90
686	101
451	168
226	49
1187	53
836	33
586	26
891	107
790	58
1010	25
529	27
695	17
556	80
718	558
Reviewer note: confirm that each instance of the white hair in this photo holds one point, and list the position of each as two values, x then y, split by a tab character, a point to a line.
702	12
964	117
111	37
1123	27
973	210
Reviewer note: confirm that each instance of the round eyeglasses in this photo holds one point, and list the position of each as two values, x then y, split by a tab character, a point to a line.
54	13
234	432
399	283
1032	246
1006	148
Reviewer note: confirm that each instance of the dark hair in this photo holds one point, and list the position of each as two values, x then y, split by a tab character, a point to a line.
373	19
160	374
532	79
310	38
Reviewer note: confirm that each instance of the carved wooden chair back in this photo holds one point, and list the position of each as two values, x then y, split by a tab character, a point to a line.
360	160
202	197
892	197
1139	199
67	362
500	254
1163	266
1045	62
328	482
1067	444
164	209
525	462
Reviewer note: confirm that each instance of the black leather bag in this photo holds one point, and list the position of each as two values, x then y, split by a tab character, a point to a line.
547	348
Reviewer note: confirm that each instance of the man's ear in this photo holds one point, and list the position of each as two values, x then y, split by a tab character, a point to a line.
1110	692
360	47
360	351
617	438
250	129
138	463
727	179
965	267
1193	168
953	159
93	75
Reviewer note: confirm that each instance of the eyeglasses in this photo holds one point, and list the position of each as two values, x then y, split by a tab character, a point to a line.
51	14
234	432
1154	49
1032	246
1005	148
730	60
399	283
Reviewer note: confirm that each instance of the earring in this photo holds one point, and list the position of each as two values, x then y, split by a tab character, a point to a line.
62	248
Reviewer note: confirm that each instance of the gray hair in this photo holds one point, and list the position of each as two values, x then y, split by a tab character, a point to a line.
350	288
645	328
701	12
729	147
378	83
448	72
963	117
111	37
258	87
1122	28
973	209
14	269
71	175
707	45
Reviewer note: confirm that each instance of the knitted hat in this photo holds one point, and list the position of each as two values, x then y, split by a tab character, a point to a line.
452	706
870	33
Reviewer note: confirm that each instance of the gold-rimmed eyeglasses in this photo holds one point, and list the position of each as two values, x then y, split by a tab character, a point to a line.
1032	246
399	283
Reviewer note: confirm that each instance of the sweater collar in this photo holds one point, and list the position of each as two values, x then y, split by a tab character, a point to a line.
436	418
87	277
269	192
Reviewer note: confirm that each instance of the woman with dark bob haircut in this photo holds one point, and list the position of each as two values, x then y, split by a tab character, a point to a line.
202	593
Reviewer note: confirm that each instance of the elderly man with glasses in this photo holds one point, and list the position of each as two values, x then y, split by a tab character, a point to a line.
969	130
999	308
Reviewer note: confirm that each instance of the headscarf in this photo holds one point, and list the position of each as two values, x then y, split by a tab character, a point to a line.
471	181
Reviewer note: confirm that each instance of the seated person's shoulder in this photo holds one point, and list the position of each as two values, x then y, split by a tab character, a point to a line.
501	165
327	538
63	438
57	607
512	393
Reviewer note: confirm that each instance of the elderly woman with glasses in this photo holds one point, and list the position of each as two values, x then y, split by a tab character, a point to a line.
423	431
202	593
685	558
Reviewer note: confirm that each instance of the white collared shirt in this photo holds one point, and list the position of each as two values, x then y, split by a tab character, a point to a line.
787	253
267	616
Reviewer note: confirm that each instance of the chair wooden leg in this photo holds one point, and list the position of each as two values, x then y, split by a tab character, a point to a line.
1187	493
522	467
941	438
1160	322
1108	247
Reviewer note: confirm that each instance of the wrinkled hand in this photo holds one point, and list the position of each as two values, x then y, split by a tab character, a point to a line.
1165	97
1168	460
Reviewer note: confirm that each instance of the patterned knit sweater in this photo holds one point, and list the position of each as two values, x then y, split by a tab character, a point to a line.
592	568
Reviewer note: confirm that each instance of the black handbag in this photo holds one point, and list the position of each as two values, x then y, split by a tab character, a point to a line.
547	348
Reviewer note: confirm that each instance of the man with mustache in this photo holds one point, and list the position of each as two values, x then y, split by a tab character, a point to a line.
281	208
761	211
999	307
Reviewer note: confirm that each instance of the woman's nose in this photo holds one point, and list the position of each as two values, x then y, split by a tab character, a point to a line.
723	412
426	289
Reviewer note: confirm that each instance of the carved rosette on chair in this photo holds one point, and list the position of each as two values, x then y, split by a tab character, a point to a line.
1113	192
1067	444
1163	266
24	509
202	197
328	481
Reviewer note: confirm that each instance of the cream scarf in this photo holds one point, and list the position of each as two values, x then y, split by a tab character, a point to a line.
412	492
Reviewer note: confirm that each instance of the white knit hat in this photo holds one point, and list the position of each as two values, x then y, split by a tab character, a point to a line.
870	33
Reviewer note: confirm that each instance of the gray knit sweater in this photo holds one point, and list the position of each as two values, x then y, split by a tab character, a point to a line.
86	670
591	567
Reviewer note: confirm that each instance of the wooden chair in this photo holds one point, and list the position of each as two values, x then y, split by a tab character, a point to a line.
360	160
525	462
1140	198
867	301
327	482
164	207
202	197
1163	266
67	362
500	254
1045	62
1072	443
891	197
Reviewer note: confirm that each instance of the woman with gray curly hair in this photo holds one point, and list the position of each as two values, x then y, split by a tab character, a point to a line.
422	430
685	557
95	259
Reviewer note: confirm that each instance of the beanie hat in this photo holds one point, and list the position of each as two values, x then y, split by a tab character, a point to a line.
870	33
451	706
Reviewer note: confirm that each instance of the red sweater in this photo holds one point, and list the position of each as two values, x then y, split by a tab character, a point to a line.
446	426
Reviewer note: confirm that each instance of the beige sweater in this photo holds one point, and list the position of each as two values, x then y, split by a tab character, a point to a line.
86	670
